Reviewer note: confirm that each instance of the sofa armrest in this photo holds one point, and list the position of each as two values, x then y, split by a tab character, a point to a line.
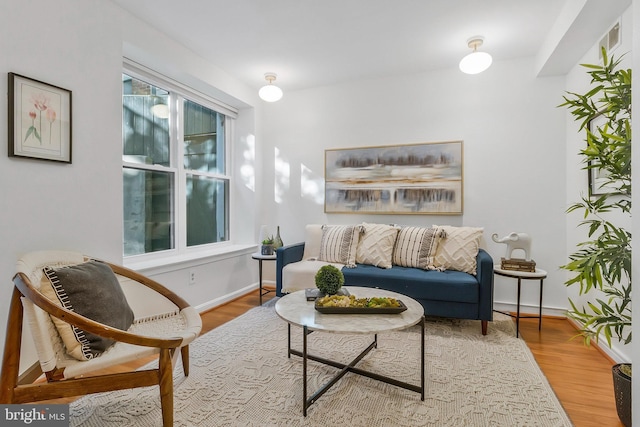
484	273
286	255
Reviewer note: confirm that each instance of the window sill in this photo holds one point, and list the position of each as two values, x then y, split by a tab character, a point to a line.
164	264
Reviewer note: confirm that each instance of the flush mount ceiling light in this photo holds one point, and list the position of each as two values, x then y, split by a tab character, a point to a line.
270	92
161	111
159	108
475	62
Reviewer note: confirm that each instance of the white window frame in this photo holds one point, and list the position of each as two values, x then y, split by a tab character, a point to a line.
179	93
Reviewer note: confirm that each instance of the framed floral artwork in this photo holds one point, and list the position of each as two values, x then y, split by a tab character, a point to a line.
39	120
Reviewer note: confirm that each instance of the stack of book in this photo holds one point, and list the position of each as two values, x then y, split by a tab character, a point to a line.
314	293
518	264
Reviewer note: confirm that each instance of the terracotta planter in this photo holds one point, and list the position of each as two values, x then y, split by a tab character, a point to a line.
622	391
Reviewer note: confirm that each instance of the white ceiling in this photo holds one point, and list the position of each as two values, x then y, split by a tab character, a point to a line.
311	43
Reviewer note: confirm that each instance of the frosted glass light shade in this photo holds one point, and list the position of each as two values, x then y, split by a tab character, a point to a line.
161	111
270	93
475	62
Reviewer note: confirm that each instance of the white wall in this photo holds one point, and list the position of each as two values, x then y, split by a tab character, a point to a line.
41	206
79	45
514	156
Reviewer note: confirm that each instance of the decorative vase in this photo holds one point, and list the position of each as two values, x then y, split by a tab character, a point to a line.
622	391
277	243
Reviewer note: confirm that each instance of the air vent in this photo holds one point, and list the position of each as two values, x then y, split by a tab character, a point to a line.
611	39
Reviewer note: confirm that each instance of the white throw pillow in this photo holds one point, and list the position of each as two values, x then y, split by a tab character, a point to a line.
313	238
458	251
339	244
376	245
416	247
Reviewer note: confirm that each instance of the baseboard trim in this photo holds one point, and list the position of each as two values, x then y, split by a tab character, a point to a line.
208	305
225	299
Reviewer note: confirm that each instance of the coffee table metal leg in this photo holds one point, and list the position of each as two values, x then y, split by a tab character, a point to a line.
350	367
305	404
289	340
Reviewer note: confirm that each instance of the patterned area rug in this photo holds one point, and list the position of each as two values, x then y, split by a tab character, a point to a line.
241	376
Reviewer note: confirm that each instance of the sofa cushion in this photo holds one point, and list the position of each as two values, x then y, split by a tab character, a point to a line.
339	244
419	284
312	240
301	275
91	289
458	251
375	246
416	246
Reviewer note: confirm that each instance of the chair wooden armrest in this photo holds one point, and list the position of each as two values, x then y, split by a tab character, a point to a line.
84	323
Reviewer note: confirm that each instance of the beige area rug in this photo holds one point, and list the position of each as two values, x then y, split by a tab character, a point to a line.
241	376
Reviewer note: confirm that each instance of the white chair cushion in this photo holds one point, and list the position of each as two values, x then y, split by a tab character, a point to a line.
155	316
312	241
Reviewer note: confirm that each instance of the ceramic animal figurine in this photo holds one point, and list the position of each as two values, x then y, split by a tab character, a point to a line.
515	241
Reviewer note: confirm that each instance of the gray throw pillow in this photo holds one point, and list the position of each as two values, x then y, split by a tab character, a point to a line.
92	290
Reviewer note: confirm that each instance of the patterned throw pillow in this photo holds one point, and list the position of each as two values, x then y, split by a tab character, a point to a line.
460	249
92	290
376	245
416	246
339	244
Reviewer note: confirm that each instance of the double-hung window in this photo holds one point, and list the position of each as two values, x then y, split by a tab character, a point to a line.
175	166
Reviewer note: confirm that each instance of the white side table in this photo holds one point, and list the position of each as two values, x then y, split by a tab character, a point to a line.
523	275
261	258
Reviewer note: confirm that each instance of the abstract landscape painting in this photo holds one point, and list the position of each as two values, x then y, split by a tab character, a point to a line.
397	179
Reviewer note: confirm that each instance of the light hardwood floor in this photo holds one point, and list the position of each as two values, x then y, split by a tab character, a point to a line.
579	375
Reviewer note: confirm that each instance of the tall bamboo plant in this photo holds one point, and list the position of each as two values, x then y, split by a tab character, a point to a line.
603	262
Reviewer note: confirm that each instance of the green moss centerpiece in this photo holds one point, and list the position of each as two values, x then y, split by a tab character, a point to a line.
329	279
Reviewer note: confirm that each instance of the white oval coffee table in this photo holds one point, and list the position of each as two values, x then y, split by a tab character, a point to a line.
296	310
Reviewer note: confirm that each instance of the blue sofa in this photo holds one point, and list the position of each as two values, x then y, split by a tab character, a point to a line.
441	293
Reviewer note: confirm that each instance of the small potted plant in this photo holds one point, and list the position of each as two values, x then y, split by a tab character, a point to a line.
267	246
329	279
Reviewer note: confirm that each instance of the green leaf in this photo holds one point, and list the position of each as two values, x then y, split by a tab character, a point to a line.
29	132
